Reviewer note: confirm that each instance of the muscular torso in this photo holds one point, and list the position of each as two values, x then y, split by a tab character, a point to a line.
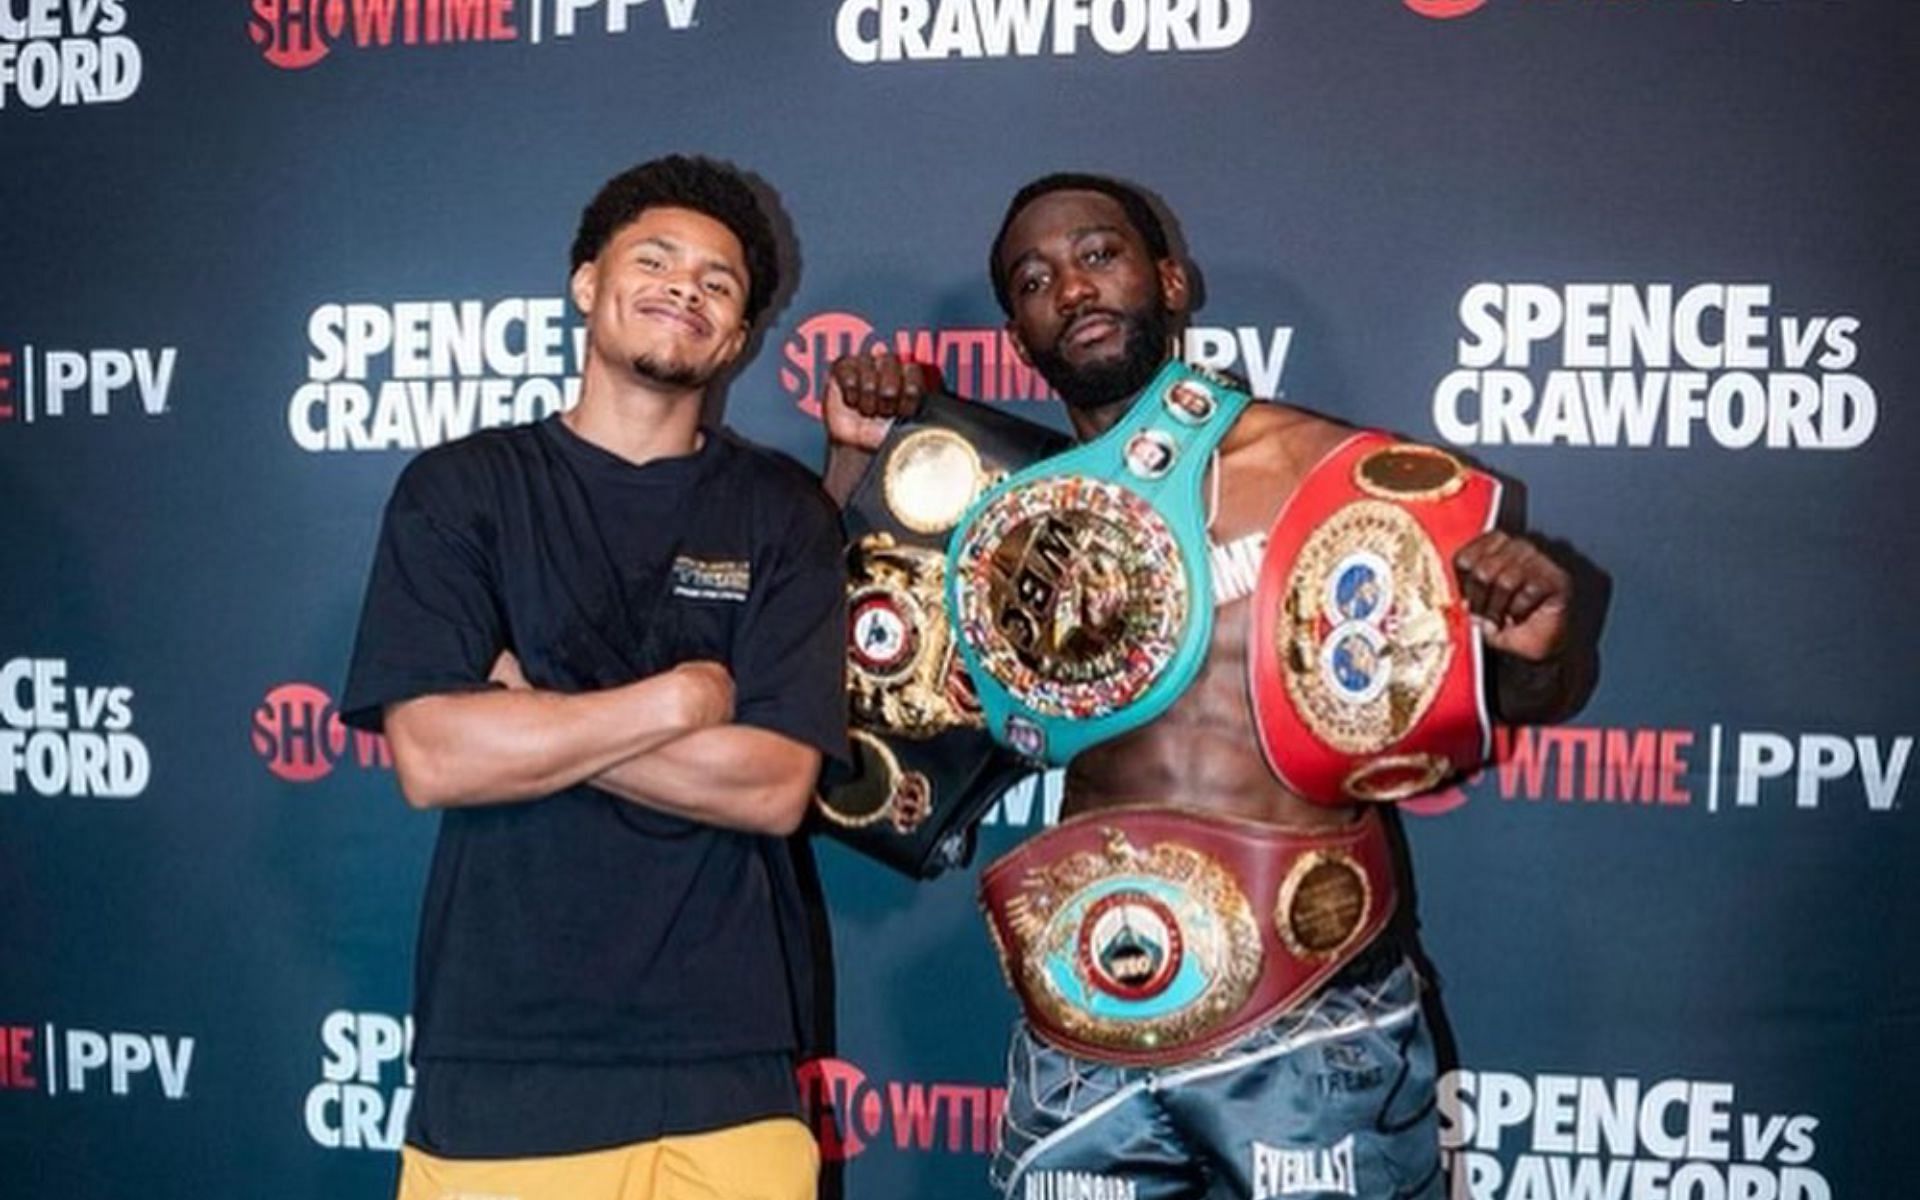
1203	753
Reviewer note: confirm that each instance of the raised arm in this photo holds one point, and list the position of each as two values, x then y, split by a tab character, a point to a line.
865	392
1524	601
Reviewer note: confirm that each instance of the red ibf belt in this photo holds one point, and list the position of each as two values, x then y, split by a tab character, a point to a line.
1365	664
1147	936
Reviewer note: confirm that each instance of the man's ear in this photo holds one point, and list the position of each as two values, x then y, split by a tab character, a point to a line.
736	341
1019	345
584	284
1176	291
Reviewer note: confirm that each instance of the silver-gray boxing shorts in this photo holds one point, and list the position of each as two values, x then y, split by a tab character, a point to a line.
1334	1099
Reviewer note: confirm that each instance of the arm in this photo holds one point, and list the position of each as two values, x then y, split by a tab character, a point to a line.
453	750
1524	602
730	775
865	392
757	772
735	776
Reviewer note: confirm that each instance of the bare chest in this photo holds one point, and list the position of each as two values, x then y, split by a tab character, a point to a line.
1203	752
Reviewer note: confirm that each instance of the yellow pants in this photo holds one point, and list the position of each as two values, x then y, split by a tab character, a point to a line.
765	1160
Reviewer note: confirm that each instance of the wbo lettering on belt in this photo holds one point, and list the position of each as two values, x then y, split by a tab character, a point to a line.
1364	663
1148	936
1080	587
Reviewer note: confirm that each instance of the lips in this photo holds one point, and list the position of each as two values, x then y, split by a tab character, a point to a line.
1089	328
680	318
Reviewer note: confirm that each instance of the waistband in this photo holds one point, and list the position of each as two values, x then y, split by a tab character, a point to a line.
1148	936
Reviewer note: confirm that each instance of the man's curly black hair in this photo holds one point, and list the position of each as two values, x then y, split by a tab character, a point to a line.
1139	212
700	184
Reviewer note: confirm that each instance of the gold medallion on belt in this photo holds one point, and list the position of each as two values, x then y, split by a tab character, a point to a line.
902	671
1072	594
1363	638
1131	948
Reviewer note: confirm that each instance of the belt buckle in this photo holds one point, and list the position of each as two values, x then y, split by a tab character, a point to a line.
1132	950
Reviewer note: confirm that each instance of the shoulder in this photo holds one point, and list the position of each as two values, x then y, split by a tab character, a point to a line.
453	472
1284	432
782	496
783	490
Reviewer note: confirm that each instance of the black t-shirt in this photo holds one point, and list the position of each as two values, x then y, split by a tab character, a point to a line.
582	928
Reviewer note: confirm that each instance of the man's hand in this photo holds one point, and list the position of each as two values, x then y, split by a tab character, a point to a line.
865	392
705	689
507	673
1519	596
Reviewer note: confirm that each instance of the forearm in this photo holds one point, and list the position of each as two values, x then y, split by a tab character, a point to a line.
1539	693
502	746
736	776
845	465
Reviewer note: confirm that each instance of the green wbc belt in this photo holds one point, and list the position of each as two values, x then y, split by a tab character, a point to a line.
1080	588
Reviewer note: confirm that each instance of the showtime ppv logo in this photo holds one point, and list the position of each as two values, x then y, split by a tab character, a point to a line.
295	34
981	362
1655	769
59	739
366	1082
413	374
1647	770
77	1062
1575	1137
298	733
66	53
1637	365
50	385
871	31
848	1112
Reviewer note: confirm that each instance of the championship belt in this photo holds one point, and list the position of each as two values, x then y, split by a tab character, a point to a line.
1148	936
925	769
1080	587
1364	661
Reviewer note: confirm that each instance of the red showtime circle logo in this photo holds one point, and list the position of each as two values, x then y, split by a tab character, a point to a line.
293	34
1443	10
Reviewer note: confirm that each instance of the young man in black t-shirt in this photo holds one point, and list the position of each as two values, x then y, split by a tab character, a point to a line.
609	648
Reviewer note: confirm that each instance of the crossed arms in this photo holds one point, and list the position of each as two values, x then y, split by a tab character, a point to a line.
665	742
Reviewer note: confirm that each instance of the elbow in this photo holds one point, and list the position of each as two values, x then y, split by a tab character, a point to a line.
787	792
420	786
419	765
784	808
424	783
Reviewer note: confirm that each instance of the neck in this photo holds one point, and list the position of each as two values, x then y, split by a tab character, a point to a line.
635	419
1090	423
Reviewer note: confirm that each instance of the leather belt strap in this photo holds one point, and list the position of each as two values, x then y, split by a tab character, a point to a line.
1148	936
1364	663
1081	586
925	769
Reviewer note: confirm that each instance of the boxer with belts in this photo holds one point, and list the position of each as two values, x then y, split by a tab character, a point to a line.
1218	1002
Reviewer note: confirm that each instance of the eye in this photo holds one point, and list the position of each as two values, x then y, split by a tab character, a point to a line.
719	287
1096	256
1028	284
651	262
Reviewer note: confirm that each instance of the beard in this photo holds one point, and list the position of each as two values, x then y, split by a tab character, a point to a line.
1097	385
668	374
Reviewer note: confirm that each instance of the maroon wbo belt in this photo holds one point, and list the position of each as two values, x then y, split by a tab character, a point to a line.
1148	936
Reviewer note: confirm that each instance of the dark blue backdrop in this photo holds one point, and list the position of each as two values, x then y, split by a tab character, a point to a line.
220	218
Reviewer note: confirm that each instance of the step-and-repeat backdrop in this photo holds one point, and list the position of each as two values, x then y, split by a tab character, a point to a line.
1652	258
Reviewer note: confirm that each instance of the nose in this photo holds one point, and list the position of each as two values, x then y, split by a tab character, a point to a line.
1076	289
685	288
